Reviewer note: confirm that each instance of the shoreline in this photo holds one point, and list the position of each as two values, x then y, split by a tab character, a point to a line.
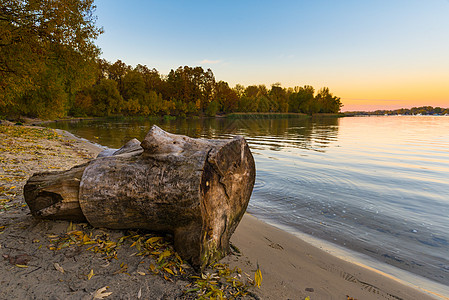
291	267
365	261
295	266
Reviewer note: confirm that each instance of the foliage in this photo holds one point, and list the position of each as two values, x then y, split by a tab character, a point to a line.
328	103
212	109
279	96
45	44
221	282
106	98
301	99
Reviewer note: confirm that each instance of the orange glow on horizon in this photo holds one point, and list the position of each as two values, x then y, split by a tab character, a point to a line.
393	95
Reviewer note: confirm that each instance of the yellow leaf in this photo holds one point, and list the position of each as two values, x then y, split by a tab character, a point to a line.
58	267
76	232
101	293
178	258
164	254
71	227
154	239
21	266
169	271
91	274
307	298
258	277
110	244
153	268
85	239
141	273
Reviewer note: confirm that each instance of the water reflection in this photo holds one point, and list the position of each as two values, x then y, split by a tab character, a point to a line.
262	134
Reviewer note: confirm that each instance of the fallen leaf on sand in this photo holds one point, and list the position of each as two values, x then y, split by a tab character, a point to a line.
91	274
141	273
71	227
139	294
21	266
258	277
58	267
101	293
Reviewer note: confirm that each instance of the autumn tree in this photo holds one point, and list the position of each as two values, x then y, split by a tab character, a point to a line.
301	99
279	96
226	97
117	72
328	103
255	99
106	98
151	78
187	86
239	90
45	43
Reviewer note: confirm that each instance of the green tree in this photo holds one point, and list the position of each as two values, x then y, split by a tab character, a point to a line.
328	103
239	90
191	85
263	104
36	36
134	93
301	98
279	96
83	104
117	72
106	98
225	97
212	108
151	77
48	100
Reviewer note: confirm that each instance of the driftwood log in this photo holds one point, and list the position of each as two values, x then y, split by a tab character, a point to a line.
196	189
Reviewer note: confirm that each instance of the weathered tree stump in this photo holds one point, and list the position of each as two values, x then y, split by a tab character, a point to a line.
196	189
55	195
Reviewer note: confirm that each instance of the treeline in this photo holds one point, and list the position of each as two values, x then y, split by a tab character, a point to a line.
422	110
50	68
190	91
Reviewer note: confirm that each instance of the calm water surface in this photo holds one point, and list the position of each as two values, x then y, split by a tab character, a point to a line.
375	185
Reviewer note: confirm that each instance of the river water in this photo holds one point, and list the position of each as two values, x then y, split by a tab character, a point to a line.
375	185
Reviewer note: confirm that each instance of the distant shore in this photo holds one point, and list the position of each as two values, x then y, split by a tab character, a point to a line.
291	268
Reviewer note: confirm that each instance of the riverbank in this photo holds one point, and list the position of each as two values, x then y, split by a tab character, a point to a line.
291	268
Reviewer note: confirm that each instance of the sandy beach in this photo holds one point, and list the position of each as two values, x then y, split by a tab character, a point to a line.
31	269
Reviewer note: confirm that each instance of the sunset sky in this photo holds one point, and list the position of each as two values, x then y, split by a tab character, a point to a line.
373	54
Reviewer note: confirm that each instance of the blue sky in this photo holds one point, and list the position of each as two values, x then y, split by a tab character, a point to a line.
372	54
